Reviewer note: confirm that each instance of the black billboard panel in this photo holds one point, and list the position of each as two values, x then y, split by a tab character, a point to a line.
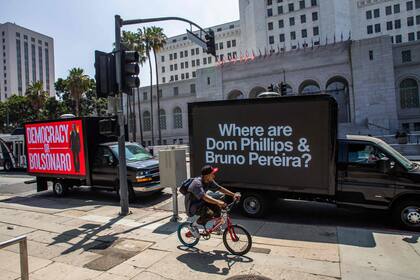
285	144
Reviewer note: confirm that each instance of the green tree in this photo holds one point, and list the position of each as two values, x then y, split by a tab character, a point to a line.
157	39
36	96
18	110
77	83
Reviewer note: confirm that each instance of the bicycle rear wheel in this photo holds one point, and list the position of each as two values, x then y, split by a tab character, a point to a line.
185	235
237	240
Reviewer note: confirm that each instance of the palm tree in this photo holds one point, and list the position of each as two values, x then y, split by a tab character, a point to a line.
77	83
134	42
154	39
36	96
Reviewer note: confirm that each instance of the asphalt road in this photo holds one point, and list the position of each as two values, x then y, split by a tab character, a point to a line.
287	211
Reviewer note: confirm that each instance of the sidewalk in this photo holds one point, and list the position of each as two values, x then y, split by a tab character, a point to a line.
76	239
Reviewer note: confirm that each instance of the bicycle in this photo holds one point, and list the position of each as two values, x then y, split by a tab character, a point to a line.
233	233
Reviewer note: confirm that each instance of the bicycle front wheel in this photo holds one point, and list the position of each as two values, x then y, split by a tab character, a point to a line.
237	240
185	235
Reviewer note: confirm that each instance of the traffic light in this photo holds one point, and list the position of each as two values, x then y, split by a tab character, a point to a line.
283	89
105	74
129	71
211	47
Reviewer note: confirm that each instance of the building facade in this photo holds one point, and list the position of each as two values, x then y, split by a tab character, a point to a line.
376	84
26	57
179	59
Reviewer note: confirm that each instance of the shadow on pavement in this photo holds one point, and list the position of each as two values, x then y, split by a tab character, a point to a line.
198	260
84	197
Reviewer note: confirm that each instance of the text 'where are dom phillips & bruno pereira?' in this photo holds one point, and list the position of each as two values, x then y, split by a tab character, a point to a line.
258	146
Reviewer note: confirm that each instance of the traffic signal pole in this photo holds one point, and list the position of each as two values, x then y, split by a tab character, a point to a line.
121	139
119	23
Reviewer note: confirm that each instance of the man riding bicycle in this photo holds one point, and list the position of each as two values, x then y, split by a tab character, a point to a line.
200	202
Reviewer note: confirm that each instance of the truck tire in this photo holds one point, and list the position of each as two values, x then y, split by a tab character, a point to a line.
8	166
60	188
407	214
254	204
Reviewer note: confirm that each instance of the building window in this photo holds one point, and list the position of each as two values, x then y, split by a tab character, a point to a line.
368	14
33	58
221	46
314	16
388	10
293	35
291	7
175	67
182	76
163	80
316	31
271	40
26	56
176	91
177	117
192	88
171	67
416	126
291	21
396	8
302	4
175	55
208	80
418	20
410	5
193	63
269	12
269	2
313	3
162	119
187	75
47	70
376	13
233	43
370	55
411	36
369	29
281	23
304	33
181	54
19	63
409	94
302	18
147	124
163	69
397	24
389	25
398	39
280	10
270	26
410	21
171	56
194	74
406	127
282	39
418	35
197	62
417	4
377	28
406	56
162	58
145	95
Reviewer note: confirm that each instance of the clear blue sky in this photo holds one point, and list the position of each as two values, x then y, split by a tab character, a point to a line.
79	27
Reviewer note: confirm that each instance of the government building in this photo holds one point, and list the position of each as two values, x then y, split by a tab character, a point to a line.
365	53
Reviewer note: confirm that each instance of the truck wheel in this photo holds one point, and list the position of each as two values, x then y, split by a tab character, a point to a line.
59	188
8	166
253	204
407	214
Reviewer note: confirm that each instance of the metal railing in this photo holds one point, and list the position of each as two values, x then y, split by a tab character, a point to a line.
23	251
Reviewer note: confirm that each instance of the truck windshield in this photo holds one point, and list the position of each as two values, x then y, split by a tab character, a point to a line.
133	152
399	157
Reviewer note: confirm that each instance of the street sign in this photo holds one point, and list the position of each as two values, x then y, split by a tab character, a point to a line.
197	40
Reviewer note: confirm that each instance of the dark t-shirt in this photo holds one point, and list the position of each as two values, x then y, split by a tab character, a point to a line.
196	191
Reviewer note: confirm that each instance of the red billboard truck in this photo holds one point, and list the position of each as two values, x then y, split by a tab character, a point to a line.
288	147
84	152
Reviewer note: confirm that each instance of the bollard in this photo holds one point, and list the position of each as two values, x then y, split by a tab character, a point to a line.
175	216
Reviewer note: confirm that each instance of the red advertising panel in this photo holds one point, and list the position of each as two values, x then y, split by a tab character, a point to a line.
56	148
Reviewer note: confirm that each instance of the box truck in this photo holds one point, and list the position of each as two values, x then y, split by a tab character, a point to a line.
84	152
288	148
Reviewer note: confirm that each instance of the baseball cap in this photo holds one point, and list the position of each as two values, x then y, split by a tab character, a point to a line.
207	169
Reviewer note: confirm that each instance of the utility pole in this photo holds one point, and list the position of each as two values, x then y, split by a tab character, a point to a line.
121	139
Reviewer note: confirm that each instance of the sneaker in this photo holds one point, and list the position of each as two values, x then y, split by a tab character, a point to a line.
194	230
